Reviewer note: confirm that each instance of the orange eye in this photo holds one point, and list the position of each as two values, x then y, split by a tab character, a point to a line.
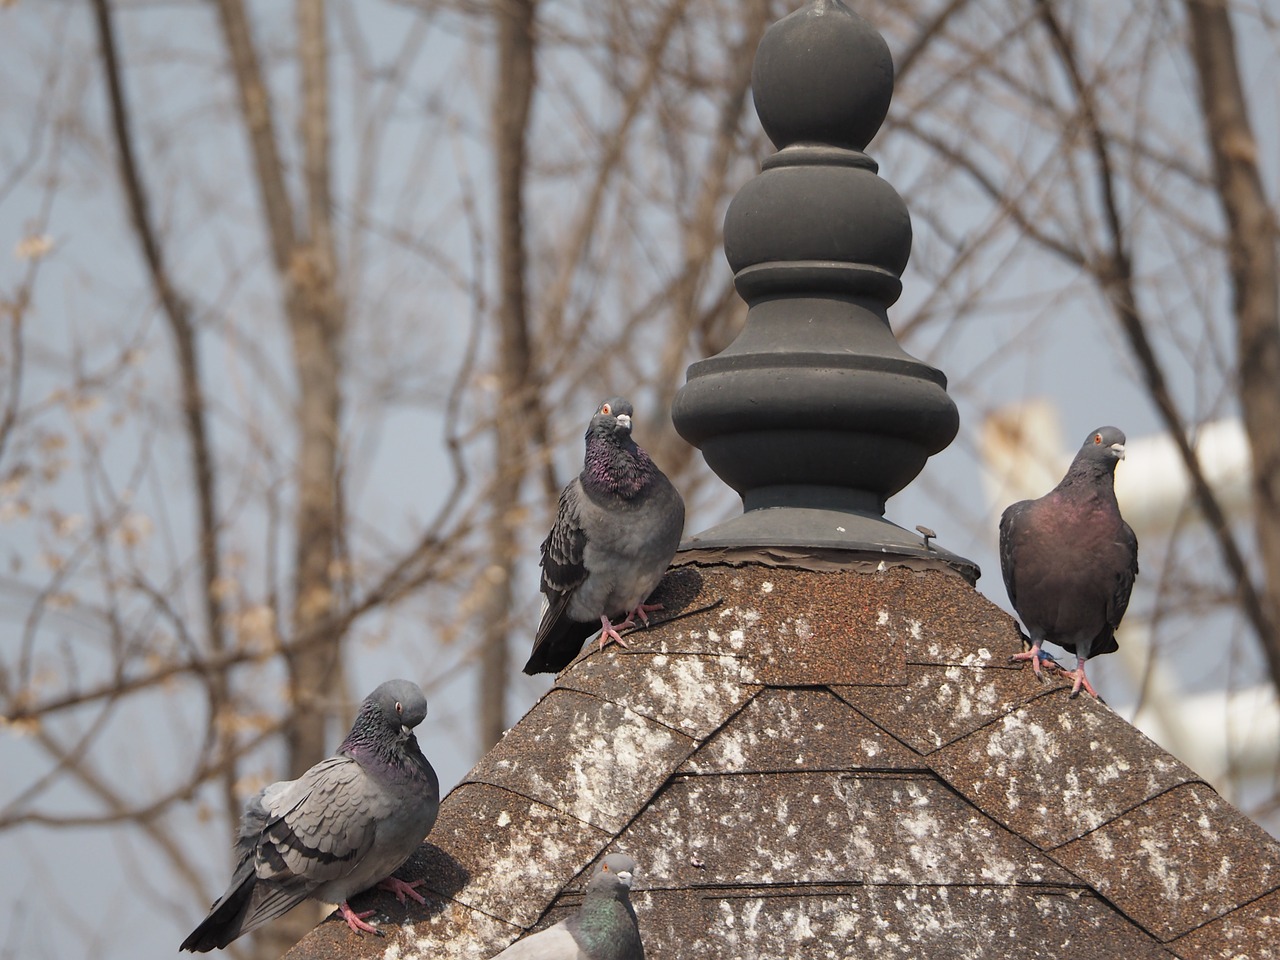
606	409
1097	438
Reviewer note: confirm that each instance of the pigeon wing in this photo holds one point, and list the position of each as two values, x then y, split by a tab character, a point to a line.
317	828
1118	603
1009	531
563	569
559	637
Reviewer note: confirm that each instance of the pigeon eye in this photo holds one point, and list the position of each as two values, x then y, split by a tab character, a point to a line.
399	707
1097	438
606	409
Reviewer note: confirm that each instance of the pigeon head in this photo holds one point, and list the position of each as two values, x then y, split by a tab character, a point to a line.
1104	445
612	419
1101	451
392	710
614	873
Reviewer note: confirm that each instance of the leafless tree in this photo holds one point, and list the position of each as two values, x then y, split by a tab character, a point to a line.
256	239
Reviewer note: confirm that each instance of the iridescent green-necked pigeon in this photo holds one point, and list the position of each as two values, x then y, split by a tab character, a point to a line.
604	928
1069	559
340	828
617	528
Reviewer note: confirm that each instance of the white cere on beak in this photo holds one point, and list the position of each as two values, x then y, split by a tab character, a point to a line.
1118	450
625	877
624	420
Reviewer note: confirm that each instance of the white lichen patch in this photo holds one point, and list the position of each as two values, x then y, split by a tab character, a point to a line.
699	690
896	923
1162	866
916	833
456	933
1022	743
611	765
766	587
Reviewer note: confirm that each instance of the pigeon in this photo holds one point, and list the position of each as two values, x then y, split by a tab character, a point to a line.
604	928
340	828
1069	559
617	528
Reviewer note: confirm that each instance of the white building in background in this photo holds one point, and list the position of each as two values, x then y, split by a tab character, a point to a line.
1231	737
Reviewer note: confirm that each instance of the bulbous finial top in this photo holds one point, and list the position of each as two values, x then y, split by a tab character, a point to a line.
822	74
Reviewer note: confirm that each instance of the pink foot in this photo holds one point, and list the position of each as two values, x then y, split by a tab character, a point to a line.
1033	655
1081	682
356	920
402	889
643	610
609	631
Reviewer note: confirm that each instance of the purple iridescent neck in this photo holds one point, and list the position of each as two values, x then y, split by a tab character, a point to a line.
372	740
615	465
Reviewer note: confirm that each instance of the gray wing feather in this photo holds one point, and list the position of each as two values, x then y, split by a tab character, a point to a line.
565	545
321	825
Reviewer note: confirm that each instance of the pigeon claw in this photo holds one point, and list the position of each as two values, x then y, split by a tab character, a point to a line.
1034	656
643	610
609	631
402	889
356	920
1081	683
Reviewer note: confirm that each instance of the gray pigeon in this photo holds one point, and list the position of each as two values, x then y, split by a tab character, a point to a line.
340	828
604	928
617	528
1069	559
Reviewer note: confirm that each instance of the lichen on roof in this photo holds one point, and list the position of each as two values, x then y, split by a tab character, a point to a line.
834	764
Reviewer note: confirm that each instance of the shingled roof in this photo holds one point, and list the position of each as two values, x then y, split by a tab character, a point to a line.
834	763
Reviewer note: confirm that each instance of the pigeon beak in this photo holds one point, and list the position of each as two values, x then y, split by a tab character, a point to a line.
624	421
1118	450
406	731
625	877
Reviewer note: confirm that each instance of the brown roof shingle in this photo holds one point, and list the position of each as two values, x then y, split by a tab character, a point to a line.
835	763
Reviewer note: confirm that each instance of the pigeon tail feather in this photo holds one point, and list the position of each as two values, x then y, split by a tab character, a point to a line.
559	640
225	921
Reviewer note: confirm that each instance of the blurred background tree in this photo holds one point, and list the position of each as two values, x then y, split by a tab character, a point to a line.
309	305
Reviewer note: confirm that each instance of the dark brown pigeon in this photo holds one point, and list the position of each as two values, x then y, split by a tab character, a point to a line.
617	528
1069	559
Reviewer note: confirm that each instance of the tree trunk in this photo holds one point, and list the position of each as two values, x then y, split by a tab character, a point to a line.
306	265
1251	239
513	410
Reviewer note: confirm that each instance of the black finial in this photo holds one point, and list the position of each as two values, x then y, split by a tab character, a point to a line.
815	414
